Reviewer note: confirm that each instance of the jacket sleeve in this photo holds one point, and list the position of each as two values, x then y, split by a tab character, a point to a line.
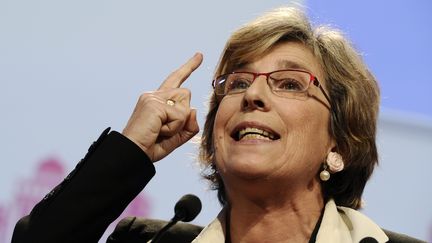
93	195
139	230
400	238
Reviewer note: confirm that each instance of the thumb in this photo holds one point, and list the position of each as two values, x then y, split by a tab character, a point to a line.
191	127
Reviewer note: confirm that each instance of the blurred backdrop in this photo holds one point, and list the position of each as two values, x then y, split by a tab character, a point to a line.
69	69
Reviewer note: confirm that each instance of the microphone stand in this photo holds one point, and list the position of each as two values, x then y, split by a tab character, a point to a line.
164	229
186	209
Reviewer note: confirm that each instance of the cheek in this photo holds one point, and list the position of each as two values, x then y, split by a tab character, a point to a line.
223	115
226	109
311	120
220	122
307	132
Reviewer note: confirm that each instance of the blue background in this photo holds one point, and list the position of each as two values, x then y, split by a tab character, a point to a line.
395	39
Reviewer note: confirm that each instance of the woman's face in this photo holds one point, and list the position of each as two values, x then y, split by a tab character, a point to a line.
298	127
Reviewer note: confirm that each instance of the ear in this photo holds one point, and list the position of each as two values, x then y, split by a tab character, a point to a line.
332	146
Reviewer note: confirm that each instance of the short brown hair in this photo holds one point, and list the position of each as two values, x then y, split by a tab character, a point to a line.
353	91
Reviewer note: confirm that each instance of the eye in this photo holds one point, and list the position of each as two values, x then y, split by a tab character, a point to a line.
237	84
289	85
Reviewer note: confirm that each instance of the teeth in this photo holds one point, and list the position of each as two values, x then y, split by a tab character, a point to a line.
255	132
254	136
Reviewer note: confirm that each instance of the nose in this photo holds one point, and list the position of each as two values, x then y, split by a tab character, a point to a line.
256	97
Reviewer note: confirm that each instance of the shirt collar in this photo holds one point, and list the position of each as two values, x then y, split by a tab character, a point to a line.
342	224
215	231
339	225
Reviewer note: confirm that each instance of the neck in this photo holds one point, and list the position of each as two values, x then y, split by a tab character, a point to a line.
287	216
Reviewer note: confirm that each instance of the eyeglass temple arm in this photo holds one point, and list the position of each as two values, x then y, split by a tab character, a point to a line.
318	84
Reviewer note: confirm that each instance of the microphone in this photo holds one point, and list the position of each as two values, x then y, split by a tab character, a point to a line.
186	209
368	240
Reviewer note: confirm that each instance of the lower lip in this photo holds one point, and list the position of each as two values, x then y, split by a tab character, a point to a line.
254	141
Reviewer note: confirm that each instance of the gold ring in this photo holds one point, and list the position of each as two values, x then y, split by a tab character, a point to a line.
170	102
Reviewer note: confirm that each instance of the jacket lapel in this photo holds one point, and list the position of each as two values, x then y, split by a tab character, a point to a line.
342	224
339	225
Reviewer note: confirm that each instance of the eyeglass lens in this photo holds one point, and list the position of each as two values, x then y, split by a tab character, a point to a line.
280	81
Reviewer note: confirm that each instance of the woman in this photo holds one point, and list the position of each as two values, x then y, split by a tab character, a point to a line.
320	114
289	142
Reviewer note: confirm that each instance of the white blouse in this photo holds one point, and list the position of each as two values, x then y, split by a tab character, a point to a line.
339	225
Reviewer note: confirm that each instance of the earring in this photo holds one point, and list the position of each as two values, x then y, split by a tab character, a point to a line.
324	174
334	163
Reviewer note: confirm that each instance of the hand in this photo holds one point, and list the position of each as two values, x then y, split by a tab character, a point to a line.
157	125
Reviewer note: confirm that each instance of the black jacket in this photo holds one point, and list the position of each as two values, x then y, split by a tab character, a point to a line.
96	192
93	195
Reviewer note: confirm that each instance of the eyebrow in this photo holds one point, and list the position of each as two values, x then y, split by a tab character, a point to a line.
286	64
282	64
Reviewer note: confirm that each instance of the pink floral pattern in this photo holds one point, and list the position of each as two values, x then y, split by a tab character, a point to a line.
30	190
335	162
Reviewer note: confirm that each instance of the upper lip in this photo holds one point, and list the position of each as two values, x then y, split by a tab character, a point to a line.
252	124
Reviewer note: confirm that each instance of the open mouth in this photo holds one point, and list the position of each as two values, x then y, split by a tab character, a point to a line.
254	133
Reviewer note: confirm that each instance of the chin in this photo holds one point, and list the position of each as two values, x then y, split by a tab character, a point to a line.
247	169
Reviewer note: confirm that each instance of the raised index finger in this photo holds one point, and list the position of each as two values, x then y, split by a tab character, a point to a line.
176	78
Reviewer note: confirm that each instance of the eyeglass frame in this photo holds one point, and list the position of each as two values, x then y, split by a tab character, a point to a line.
313	79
